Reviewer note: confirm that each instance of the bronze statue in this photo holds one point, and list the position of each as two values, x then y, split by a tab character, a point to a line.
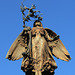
37	46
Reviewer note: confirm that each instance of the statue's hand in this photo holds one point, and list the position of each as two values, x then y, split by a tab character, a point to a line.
25	55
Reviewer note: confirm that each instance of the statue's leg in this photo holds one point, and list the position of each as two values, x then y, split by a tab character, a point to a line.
38	73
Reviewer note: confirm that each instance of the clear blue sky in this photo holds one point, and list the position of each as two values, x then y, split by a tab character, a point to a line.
58	15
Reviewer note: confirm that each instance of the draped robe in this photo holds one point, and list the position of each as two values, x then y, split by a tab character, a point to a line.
39	46
41	51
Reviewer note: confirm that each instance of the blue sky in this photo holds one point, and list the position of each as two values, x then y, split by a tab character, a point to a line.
58	15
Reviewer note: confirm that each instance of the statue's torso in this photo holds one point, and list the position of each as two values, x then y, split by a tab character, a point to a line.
40	49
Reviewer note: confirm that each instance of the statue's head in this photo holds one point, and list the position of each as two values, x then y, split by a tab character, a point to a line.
37	23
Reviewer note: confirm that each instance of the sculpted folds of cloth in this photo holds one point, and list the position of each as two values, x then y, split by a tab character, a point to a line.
37	46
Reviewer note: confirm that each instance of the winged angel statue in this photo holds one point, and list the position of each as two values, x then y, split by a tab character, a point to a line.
37	46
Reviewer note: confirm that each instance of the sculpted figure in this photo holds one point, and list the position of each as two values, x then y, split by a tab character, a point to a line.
37	46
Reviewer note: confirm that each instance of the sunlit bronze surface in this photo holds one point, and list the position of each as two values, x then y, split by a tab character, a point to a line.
37	46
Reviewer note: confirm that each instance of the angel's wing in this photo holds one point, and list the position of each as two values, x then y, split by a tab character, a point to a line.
17	48
58	50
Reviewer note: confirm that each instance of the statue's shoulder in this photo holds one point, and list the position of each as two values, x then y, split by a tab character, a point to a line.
34	29
37	28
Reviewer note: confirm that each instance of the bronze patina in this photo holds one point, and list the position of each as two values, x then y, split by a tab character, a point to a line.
37	46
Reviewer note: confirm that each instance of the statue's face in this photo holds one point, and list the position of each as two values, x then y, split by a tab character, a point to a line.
38	24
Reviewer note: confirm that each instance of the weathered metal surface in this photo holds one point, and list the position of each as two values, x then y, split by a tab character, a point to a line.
37	47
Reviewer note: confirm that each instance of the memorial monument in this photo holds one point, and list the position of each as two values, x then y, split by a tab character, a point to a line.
37	46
